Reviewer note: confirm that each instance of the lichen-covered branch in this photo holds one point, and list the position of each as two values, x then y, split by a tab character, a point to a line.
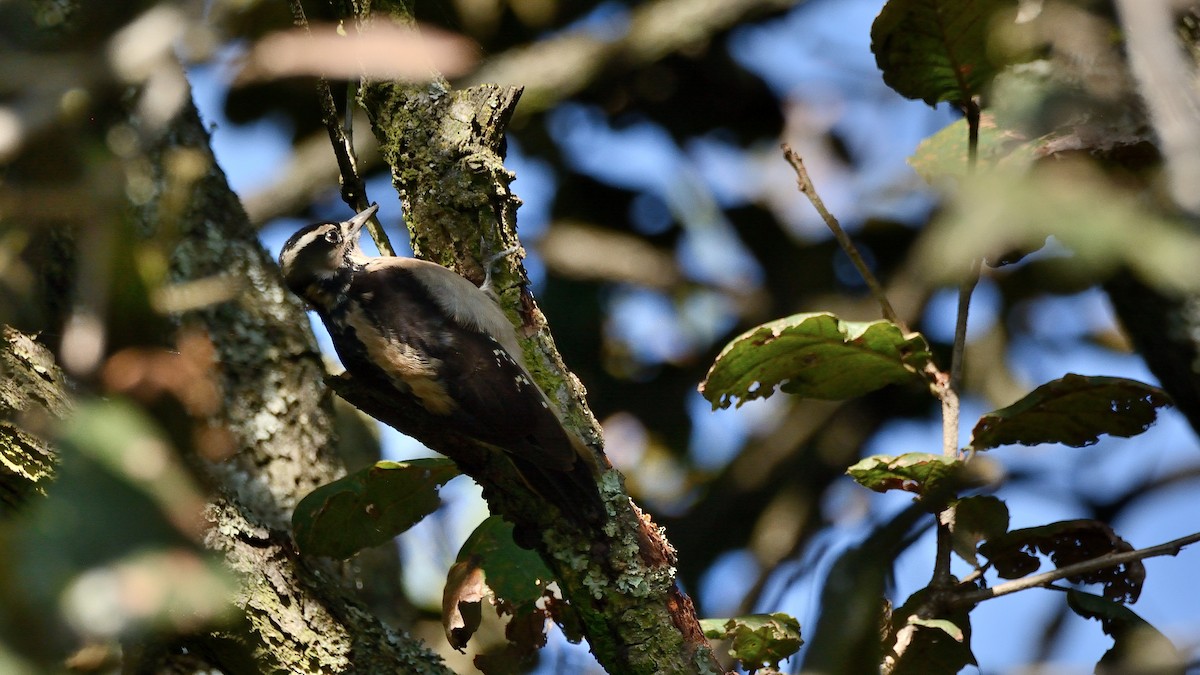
444	148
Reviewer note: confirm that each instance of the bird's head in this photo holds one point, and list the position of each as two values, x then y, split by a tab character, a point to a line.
317	252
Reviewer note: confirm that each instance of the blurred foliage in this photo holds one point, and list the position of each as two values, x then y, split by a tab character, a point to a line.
1066	129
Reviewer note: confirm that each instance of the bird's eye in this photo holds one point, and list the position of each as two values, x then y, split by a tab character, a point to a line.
333	236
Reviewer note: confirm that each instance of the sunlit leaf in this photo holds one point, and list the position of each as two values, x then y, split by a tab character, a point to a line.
814	356
461	602
935	478
369	507
758	639
944	154
937	50
1068	542
945	625
1074	410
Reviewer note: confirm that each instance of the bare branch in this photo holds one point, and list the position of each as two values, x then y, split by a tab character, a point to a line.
806	186
354	190
1171	548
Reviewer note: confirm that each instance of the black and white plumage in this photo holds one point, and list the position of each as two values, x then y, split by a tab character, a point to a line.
431	333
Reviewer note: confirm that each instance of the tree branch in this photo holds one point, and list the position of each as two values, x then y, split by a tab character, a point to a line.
444	151
806	186
1171	548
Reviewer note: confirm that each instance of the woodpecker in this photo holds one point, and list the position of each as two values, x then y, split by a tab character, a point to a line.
432	334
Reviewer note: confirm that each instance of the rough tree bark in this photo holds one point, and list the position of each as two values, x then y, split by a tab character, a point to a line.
300	613
444	149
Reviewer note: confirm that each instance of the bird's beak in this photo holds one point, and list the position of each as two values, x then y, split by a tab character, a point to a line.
351	228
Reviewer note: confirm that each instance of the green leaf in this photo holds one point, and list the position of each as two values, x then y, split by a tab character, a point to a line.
516	575
972	520
490	562
1074	410
128	442
945	625
369	507
1068	542
814	356
758	639
1138	647
937	50
933	477
846	637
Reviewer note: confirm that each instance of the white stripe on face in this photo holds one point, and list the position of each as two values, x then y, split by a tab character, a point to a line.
288	257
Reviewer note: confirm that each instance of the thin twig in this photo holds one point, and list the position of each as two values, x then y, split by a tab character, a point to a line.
1105	561
806	186
965	289
950	407
950	404
354	190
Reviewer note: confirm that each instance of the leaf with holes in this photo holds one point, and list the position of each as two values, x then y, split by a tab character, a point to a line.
758	640
935	478
938	50
1068	542
1075	410
814	356
515	574
369	507
491	563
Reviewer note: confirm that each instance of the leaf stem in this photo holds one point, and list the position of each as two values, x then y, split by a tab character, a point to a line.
950	403
1171	548
806	186
965	289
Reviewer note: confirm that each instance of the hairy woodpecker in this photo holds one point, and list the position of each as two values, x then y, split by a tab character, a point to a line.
431	334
